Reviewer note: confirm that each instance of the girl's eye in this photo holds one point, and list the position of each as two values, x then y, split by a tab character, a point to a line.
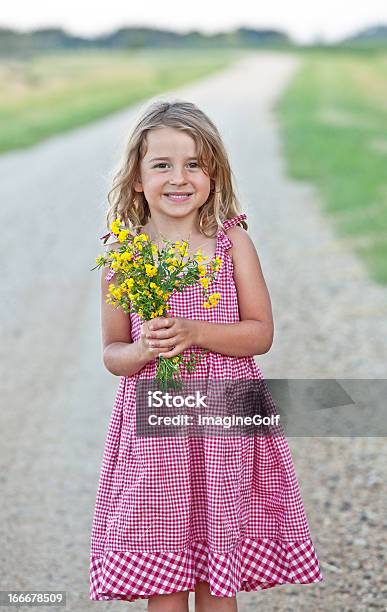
165	163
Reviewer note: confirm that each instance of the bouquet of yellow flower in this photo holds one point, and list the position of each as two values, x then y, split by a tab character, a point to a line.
145	278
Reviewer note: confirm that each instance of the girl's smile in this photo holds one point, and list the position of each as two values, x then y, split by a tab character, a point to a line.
174	197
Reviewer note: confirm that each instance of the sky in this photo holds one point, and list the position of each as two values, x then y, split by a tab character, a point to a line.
303	20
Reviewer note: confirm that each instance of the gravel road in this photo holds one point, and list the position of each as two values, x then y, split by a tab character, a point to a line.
330	322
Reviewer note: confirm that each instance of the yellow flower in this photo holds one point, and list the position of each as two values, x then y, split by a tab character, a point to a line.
123	235
115	226
204	281
216	264
154	249
183	249
126	256
110	300
130	282
153	285
100	260
117	293
137	240
172	260
171	268
202	270
206	305
150	270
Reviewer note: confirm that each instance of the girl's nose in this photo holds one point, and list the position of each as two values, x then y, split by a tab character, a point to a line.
178	176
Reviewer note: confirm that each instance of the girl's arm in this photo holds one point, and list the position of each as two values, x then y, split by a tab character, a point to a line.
253	335
121	356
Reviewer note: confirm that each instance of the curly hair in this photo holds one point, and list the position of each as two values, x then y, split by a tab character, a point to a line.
132	206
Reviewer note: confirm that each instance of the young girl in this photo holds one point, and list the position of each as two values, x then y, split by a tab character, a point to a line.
213	515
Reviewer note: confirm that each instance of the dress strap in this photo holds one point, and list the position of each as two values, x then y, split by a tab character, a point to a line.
234	220
110	274
224	240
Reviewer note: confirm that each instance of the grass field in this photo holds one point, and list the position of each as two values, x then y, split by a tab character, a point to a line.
48	94
333	119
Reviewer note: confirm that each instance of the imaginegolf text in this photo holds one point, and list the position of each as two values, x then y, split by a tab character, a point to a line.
226	422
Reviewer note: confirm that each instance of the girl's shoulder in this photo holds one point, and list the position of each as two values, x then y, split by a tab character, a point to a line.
240	239
234	229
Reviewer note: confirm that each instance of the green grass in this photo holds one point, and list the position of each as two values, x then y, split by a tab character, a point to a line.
333	118
53	93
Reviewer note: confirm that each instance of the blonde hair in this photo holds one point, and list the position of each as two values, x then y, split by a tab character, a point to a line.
132	206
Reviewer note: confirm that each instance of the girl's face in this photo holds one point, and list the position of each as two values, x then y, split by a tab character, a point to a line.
177	172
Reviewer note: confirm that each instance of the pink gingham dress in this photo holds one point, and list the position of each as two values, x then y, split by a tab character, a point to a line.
173	511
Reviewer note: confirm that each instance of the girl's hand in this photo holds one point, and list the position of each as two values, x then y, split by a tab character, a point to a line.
170	336
148	350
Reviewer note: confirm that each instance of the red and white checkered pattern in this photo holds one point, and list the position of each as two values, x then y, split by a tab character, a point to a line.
172	511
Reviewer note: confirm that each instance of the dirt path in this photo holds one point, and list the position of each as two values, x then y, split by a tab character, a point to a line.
57	396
